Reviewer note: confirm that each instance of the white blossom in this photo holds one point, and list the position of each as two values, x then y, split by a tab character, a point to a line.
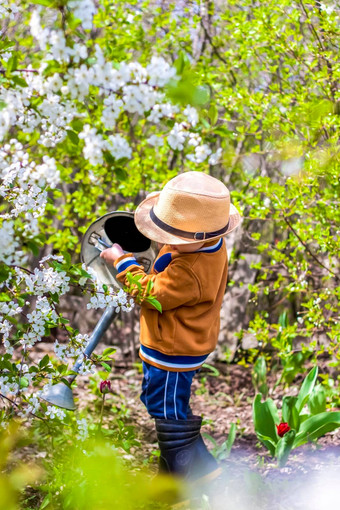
177	136
94	145
191	114
118	147
160	72
118	300
194	139
155	141
84	10
45	280
215	157
201	153
33	405
10	252
72	349
112	110
83	429
55	412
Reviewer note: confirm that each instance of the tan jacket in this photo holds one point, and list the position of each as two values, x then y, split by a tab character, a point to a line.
190	288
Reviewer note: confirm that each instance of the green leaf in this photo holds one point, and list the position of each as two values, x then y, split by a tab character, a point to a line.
109	158
19	81
265	417
306	389
121	174
283	320
149	287
213	114
317	400
231	437
210	438
108	351
201	95
44	362
317	426
284	447
72	136
4	273
47	3
290	413
12	63
268	442
182	62
47	499
155	303
212	369
106	366
24	382
77	125
34	248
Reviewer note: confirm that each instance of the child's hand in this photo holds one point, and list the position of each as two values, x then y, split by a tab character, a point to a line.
112	254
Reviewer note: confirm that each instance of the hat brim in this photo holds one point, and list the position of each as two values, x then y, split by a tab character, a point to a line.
147	227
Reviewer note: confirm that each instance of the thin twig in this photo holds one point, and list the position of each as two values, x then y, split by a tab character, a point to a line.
3	71
16	405
216	52
308	249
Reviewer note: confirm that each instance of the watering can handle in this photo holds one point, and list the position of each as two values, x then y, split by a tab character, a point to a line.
101	245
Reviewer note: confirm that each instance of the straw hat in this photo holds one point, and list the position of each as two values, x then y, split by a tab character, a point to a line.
191	208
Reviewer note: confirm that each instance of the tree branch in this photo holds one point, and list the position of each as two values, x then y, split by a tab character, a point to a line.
308	249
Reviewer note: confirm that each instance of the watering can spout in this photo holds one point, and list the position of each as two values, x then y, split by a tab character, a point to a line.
59	395
111	228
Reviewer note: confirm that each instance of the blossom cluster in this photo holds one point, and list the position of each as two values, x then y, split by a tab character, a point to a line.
119	300
55	412
8	309
83	429
37	320
73	349
44	280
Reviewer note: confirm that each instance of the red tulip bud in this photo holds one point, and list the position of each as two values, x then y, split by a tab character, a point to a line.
282	429
105	387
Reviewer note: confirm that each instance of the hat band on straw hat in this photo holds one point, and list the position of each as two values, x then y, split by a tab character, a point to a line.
196	236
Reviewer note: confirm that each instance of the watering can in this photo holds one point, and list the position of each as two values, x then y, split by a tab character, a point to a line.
114	227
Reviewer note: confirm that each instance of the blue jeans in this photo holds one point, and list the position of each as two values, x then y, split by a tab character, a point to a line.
166	394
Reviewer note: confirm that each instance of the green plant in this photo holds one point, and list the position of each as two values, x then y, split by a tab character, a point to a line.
222	451
259	376
141	293
304	419
14	477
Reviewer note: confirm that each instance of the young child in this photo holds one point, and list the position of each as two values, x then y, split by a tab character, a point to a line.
189	217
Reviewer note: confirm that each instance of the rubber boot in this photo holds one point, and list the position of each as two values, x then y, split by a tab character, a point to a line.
183	451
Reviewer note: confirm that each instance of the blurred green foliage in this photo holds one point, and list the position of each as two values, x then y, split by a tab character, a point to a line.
77	475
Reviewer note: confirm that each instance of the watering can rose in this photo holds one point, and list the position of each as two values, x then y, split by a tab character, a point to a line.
105	386
282	428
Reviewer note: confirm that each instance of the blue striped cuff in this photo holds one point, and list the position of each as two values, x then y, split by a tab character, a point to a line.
125	263
167	361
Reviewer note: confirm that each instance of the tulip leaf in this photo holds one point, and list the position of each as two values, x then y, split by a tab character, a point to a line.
306	389
317	426
284	446
268	443
290	413
317	400
265	416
